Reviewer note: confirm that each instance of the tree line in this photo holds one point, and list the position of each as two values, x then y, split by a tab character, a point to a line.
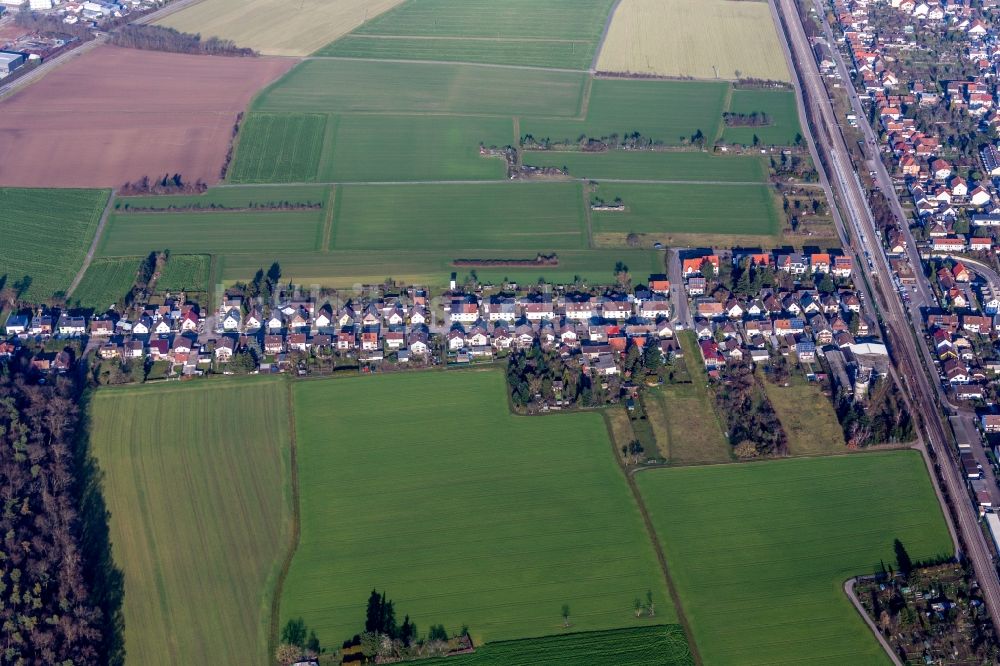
160	38
753	426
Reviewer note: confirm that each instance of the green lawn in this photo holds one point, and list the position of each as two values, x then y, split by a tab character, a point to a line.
105	283
324	86
759	552
278	148
432	268
778	104
46	234
807	416
187	272
398	148
556	33
646	165
683	415
196	478
690	209
461	512
663	645
666	111
537	217
272	231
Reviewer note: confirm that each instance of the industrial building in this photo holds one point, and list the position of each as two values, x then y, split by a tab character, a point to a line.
10	61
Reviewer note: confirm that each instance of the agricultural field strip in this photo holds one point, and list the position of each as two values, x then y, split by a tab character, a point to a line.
488	65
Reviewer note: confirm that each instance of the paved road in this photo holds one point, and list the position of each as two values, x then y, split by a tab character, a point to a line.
903	334
682	315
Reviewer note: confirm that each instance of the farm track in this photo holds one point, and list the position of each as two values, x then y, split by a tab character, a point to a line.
657	548
293	540
93	245
604	36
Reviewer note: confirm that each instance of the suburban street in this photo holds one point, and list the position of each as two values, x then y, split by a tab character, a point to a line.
903	333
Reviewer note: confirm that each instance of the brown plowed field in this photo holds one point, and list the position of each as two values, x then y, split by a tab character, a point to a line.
115	115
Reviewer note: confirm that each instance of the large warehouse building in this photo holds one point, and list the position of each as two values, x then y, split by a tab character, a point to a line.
9	62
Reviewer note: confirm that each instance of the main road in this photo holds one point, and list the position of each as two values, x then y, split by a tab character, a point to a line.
904	334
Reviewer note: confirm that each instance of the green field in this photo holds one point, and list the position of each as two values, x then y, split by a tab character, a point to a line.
433	268
462	513
278	148
666	111
537	217
196	477
325	86
647	165
105	283
227	197
185	272
663	645
688	209
760	552
778	104
813	430
557	33
46	234
193	233
396	148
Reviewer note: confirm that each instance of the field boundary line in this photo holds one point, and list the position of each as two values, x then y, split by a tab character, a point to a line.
522	182
98	233
293	540
604	36
587	216
655	542
330	130
727	104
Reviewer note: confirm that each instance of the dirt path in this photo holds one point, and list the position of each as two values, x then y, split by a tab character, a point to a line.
674	597
453	38
293	540
93	246
526	182
328	219
849	590
604	36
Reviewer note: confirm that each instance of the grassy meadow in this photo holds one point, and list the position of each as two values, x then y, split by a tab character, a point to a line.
557	33
688	209
494	217
813	431
760	552
332	86
648	165
663	645
461	512
272	26
779	105
196	478
708	39
46	234
432	268
105	283
666	111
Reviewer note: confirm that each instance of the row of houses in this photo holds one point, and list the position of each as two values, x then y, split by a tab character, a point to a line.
794	263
